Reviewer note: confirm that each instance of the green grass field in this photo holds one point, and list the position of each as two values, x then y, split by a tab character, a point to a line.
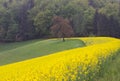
9	46
14	52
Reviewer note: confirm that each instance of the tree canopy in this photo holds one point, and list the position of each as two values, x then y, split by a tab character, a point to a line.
28	19
61	27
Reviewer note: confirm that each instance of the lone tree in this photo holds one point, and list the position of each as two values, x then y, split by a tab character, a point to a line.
61	28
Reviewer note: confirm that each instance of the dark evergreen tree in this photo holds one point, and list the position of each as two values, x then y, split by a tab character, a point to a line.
95	23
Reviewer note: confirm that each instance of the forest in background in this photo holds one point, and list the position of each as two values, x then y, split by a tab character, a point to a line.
30	19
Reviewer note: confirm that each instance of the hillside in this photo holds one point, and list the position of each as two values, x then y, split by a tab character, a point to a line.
59	40
79	64
14	52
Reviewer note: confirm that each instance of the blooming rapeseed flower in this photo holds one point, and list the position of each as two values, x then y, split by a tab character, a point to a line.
70	65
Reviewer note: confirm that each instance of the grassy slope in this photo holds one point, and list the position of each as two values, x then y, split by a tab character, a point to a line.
35	49
9	46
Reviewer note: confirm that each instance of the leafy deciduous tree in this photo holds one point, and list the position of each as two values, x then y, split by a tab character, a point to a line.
61	27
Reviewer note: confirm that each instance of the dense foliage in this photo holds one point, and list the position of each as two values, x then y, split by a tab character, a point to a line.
61	28
28	19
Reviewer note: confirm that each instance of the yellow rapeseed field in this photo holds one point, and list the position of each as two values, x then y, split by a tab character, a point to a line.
80	64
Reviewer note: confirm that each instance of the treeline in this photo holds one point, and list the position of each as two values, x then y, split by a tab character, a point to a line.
28	19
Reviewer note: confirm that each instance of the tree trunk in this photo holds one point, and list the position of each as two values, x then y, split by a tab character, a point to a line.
63	39
63	36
